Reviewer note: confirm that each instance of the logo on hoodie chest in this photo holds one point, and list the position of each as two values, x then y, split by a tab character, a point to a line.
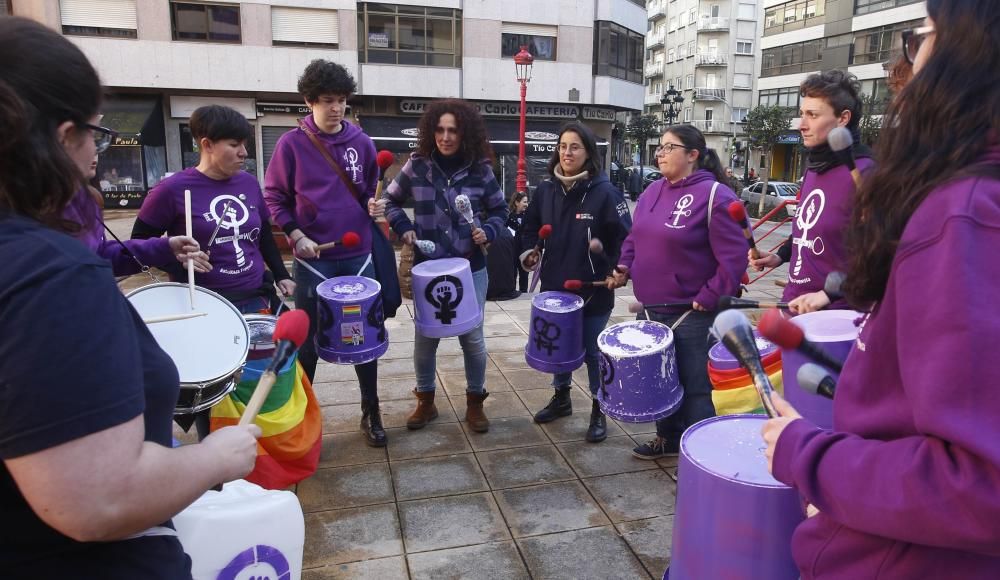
584	216
681	211
351	157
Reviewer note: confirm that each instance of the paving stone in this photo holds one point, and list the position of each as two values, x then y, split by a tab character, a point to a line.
455	384
396	388
524	466
553	507
381	569
394	413
398	349
638	429
520	304
592	554
341	418
613	455
331	373
337	392
571	428
449	522
497	406
493	561
634	496
342	449
433	440
455	363
507	432
514	344
650	539
449	475
344	487
351	535
523	378
400	368
507	328
508	360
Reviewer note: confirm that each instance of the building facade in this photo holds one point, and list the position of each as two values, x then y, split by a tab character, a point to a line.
162	59
703	50
802	37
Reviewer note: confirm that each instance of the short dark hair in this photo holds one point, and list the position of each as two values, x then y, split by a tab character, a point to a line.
323	77
474	145
216	122
838	88
593	164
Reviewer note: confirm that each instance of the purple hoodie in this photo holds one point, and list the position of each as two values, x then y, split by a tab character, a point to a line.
672	255
304	192
823	215
83	209
908	483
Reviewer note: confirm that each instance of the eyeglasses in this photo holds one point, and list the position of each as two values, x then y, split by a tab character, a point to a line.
669	147
573	148
912	39
103	137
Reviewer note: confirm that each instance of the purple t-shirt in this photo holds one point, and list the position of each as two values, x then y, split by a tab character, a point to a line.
237	264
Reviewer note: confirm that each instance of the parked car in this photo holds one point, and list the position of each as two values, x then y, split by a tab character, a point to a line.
777	192
647	174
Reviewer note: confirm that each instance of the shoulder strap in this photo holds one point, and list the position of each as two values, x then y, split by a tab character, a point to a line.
329	159
711	203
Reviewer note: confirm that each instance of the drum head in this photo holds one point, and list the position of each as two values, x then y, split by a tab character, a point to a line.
206	348
730	447
553	301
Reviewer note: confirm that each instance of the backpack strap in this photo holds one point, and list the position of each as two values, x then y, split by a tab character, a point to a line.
711	202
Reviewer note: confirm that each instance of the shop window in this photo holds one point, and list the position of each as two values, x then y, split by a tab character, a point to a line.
410	35
205	22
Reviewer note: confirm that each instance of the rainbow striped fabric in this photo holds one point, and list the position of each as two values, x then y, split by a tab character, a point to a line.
352	310
291	421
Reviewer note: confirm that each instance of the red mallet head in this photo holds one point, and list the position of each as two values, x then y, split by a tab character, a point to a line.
596	247
385	159
779	330
745	278
573	284
737	212
351	239
545	231
293	326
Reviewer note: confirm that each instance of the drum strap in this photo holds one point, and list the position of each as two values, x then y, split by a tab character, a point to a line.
142	267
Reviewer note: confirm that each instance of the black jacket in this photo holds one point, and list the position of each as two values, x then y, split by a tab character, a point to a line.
589	210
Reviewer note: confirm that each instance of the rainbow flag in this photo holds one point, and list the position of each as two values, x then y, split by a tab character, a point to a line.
291	421
352	310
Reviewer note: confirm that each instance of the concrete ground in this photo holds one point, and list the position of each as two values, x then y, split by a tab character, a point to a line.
521	501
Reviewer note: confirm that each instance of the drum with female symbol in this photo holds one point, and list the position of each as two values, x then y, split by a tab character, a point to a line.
444	297
555	340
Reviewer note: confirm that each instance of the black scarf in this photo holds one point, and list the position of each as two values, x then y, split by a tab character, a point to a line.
823	159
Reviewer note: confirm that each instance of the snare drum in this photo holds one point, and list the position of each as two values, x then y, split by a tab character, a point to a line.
209	351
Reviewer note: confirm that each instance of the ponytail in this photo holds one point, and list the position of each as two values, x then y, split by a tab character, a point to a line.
709	160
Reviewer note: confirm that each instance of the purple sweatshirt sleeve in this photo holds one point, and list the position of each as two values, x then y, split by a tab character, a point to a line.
279	192
729	247
153	252
937	487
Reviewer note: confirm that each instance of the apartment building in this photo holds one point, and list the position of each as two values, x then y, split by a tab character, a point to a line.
162	59
806	36
703	49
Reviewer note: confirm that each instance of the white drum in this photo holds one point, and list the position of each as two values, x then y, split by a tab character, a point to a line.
209	351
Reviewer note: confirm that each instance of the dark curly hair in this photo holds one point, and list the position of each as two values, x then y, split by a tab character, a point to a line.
323	77
216	122
475	144
841	89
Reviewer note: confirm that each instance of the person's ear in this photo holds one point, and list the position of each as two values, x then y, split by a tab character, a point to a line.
844	119
65	132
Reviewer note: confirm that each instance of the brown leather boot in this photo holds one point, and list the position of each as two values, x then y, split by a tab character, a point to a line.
474	414
425	411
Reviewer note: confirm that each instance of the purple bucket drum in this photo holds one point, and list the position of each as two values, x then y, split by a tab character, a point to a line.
732	520
721	359
638	372
444	297
351	326
555	340
835	332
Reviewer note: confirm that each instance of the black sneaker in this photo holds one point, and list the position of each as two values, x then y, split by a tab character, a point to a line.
657	448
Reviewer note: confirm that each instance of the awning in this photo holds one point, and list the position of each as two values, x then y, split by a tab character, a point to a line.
138	120
399	134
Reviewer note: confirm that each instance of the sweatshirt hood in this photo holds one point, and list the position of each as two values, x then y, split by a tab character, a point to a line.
346	134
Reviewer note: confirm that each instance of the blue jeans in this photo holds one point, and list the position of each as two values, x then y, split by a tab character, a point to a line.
305	299
473	349
691	345
592	326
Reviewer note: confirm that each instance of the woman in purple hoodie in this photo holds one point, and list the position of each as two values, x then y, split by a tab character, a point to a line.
906	482
684	247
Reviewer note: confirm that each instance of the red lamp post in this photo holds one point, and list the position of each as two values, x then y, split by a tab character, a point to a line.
522	63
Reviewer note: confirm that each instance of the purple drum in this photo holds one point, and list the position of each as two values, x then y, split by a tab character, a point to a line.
444	298
555	340
721	359
835	332
351	326
638	372
732	520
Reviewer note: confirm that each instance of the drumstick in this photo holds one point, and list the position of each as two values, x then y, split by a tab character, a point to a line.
739	215
781	283
543	233
215	232
189	229
579	284
289	333
348	240
464	206
173	317
636	308
728	302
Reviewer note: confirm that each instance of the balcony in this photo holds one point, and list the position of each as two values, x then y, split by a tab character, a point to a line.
654	39
708	23
706	94
652	99
654	69
712	126
708	59
656	9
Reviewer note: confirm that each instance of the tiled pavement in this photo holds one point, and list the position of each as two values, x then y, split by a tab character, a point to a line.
521	501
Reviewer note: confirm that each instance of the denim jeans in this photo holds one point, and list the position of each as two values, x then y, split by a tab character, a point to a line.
305	299
592	326
691	345
473	349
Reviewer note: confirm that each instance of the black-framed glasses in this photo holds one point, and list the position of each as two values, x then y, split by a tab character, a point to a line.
912	39
668	147
103	137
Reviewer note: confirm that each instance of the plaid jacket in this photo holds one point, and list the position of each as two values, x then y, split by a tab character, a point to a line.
434	215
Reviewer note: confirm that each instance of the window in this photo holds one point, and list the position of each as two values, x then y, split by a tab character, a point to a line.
868	6
878	91
304	27
740	114
540	40
673	23
410	35
682	50
792	58
747	12
670	55
693	16
876	44
208	22
741	81
793	15
677	83
691	48
786	97
715	10
687	114
839	40
689	82
112	18
5	7
744	47
617	52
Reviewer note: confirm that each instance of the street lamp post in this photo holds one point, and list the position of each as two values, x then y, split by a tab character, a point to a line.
522	64
670	98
